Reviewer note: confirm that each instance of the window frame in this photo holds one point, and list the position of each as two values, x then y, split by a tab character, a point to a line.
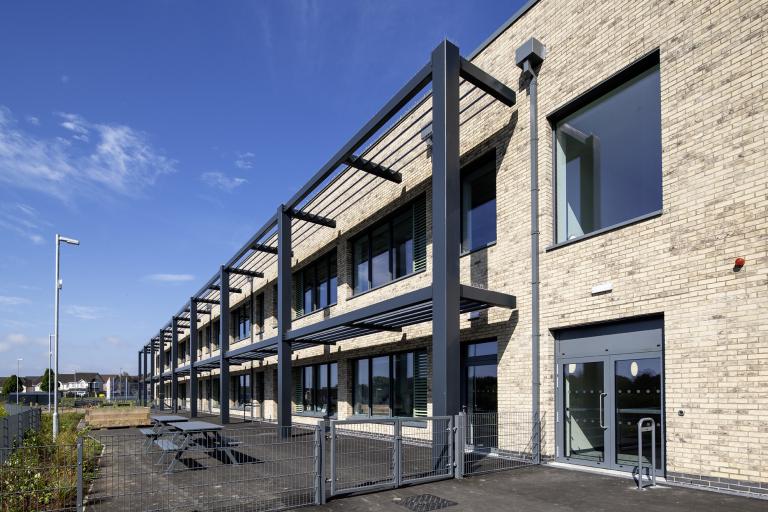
392	388
315	389
594	93
367	233
242	314
329	258
470	172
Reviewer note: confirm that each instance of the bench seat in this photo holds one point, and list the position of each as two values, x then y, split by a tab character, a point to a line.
167	445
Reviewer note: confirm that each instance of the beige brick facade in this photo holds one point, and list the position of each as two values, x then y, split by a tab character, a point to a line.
714	105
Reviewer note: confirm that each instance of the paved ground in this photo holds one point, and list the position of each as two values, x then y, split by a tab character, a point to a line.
547	489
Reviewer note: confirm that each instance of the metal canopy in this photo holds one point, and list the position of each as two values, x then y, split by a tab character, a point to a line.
390	315
210	363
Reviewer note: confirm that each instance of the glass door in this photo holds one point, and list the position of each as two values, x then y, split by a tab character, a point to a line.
481	393
585	422
637	394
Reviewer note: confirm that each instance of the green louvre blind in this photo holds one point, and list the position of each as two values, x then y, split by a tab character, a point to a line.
298	293
420	233
420	391
298	392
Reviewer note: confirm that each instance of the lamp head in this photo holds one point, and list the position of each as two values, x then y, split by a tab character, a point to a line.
70	241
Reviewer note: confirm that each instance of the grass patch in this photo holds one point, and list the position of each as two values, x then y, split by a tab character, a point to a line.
42	474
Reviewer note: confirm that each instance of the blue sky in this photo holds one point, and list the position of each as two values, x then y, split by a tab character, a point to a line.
162	134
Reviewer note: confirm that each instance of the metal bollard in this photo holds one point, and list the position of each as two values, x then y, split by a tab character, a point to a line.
652	470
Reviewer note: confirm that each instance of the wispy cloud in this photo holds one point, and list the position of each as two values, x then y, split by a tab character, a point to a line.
222	181
244	160
35	121
16	339
7	300
170	278
86	312
109	157
23	220
114	340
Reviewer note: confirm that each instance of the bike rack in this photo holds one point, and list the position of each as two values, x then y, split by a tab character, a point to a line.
646	425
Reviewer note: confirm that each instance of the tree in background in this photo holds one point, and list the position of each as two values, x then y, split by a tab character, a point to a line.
49	374
9	386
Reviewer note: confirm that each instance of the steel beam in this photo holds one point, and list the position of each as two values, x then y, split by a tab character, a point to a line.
207	301
264	248
193	343
372	168
487	83
390	109
223	345
490	297
174	365
244	272
311	217
231	289
141	377
446	242
284	273
374	327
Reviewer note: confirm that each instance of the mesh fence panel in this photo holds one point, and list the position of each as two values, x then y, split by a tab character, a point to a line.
497	441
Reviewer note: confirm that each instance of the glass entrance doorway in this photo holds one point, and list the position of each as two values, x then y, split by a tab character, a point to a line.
602	397
480	392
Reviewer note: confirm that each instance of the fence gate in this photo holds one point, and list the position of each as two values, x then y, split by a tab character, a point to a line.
373	454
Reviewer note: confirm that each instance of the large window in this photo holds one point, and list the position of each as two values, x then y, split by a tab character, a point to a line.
391	249
478	204
392	385
241	321
317	284
608	153
316	388
240	391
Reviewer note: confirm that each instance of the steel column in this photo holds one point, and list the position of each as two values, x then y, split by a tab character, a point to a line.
193	343
151	371
174	365
161	360
283	319
141	379
224	345
446	217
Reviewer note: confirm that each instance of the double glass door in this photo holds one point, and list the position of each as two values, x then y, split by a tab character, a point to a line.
602	399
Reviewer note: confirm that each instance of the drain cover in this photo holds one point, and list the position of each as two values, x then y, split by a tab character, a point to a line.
426	502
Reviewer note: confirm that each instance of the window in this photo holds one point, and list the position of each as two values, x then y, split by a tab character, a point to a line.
316	389
259	313
241	321
393	385
241	391
608	153
478	204
391	249
316	285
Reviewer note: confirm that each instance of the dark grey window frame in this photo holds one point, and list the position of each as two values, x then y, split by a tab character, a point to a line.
328	258
624	75
367	232
315	388
391	356
471	170
244	311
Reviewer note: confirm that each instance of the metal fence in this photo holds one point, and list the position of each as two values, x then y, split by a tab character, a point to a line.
497	441
20	419
257	466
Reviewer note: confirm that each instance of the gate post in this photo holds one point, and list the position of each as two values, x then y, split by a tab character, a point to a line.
319	463
461	429
397	474
80	474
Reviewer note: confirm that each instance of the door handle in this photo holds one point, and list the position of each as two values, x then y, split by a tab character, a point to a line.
601	413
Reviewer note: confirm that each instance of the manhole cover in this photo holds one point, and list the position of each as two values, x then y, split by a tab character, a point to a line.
426	502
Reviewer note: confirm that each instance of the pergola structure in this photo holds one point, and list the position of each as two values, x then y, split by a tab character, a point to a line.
441	303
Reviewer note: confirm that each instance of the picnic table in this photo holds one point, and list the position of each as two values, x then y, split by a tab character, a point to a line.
198	436
160	425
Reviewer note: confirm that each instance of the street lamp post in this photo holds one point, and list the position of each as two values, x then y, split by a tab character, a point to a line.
50	354
57	290
18	369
